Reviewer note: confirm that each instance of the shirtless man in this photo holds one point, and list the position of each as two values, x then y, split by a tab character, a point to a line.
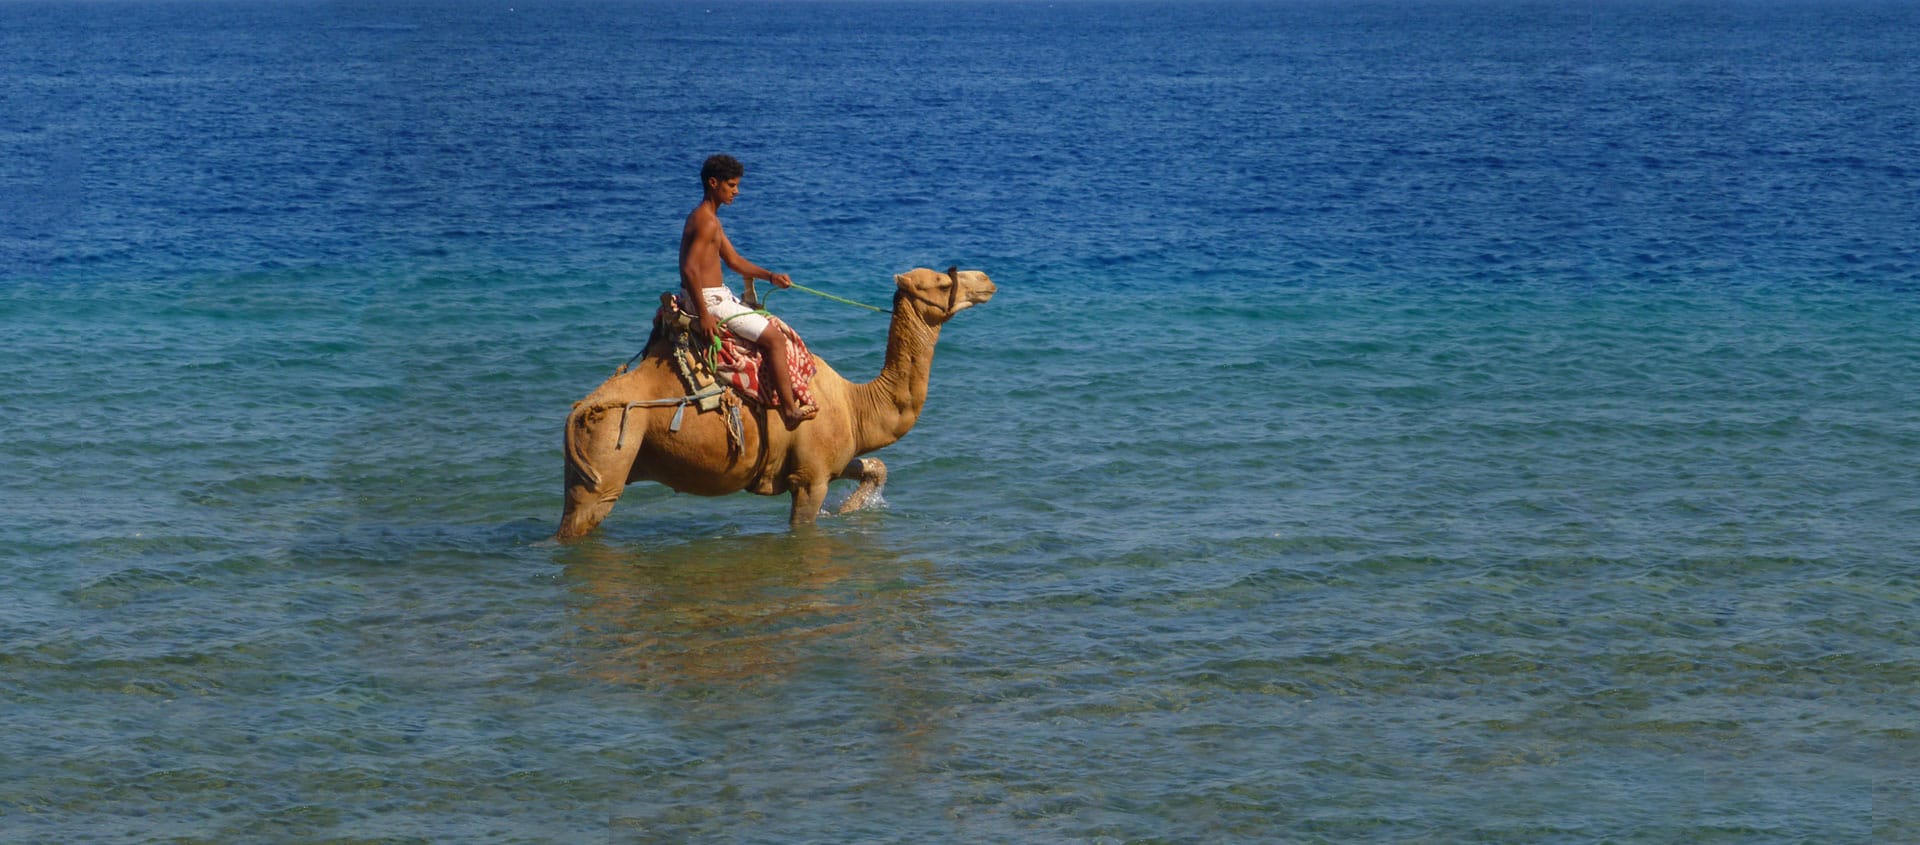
703	248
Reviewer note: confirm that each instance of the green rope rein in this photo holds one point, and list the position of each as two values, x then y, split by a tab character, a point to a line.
713	349
820	293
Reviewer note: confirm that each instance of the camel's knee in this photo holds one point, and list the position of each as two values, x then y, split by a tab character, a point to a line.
872	475
584	510
864	470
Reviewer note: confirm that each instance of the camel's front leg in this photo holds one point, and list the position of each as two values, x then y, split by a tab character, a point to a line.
807	499
872	475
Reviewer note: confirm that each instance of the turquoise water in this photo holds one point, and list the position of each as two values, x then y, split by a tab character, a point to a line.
1483	422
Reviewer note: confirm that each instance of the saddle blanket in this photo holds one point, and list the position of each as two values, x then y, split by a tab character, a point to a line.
745	368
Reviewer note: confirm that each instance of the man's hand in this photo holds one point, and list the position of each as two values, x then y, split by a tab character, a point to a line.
780	280
709	325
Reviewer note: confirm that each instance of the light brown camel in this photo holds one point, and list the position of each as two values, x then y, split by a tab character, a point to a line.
604	454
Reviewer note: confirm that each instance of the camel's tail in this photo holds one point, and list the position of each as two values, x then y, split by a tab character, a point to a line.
577	462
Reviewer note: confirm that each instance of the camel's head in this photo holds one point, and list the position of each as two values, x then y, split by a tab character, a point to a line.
936	296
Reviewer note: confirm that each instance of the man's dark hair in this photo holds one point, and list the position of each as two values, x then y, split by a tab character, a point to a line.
721	167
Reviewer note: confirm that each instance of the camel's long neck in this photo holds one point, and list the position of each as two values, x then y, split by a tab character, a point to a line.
887	407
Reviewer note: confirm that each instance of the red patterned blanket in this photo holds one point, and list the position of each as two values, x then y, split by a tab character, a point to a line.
743	366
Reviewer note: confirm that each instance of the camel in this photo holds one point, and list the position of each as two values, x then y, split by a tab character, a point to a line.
610	443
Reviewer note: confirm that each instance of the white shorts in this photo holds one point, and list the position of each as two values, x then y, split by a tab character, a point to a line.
734	315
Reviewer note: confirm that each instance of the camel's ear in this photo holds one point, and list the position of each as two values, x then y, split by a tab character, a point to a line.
900	279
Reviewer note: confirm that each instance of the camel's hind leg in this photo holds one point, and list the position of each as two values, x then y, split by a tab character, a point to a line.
597	466
872	475
586	505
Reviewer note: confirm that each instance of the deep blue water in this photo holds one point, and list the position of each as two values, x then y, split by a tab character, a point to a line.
1410	421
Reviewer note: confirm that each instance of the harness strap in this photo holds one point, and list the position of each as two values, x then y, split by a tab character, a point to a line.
680	411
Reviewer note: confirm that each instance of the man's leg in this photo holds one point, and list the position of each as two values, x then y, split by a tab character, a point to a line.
774	343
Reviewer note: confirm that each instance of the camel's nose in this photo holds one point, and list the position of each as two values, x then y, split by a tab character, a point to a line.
984	291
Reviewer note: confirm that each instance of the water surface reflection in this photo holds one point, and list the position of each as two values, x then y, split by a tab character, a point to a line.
746	610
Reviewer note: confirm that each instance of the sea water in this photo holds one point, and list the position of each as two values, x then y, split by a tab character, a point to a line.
1479	420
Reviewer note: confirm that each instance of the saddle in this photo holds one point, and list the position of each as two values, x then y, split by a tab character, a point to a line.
735	363
695	371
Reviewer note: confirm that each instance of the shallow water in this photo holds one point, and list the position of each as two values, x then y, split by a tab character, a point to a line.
1398	422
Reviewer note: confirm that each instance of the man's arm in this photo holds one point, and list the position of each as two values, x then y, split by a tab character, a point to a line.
708	325
697	252
745	268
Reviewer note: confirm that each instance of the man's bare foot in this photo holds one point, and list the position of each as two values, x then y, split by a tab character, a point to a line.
795	416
